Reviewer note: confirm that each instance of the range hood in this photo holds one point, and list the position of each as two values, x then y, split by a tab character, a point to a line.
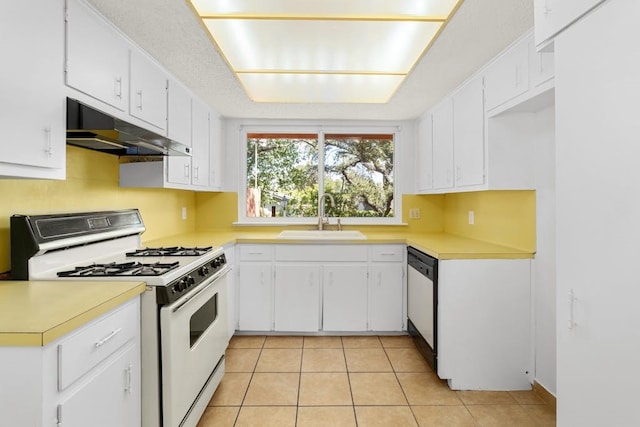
93	129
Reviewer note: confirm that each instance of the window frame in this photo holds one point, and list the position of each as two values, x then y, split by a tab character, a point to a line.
320	130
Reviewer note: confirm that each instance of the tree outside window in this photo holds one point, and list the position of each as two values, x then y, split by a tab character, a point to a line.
286	173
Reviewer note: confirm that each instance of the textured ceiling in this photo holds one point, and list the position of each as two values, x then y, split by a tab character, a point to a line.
172	34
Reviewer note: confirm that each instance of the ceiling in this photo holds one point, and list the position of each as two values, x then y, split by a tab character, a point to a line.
171	33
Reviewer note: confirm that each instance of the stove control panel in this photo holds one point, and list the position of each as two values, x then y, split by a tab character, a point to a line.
190	281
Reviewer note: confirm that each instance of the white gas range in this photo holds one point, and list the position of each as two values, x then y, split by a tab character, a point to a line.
183	315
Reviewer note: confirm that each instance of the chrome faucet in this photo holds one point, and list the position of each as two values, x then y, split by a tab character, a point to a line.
321	218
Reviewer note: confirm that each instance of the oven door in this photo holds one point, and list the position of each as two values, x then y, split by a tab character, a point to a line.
194	338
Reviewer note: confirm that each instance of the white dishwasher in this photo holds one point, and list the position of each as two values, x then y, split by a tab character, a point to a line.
422	303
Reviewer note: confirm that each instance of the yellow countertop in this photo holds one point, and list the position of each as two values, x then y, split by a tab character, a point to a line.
34	313
439	245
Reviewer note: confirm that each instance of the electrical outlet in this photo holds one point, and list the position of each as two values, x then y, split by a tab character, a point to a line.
414	213
472	218
184	213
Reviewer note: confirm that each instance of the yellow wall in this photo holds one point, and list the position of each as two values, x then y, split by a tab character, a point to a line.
92	184
504	217
217	211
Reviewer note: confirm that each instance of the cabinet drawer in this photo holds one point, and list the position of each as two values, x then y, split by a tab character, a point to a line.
255	252
321	253
95	342
387	253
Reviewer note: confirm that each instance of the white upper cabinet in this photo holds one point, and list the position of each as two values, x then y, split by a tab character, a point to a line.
541	66
216	153
481	134
553	16
181	172
178	112
468	134
97	62
424	157
508	76
148	91
200	142
443	145
31	90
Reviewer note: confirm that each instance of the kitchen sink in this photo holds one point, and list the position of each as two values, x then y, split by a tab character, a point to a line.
322	235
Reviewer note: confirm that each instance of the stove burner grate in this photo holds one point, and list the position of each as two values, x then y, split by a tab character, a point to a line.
171	251
120	269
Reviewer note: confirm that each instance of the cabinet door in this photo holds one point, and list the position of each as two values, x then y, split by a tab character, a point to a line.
424	157
385	296
255	299
297	298
178	113
97	57
148	95
597	69
179	169
507	77
541	66
111	398
468	133
215	146
443	145
552	16
344	297
200	134
31	90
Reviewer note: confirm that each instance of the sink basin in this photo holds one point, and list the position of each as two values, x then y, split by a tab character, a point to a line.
322	235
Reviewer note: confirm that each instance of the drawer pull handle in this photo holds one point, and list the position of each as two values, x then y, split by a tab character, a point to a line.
108	337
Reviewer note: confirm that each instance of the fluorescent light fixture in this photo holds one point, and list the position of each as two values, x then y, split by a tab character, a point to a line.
346	51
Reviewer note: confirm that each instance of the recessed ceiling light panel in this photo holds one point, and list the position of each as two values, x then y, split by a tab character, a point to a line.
346	51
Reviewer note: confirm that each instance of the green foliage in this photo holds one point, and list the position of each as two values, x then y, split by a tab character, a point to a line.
358	173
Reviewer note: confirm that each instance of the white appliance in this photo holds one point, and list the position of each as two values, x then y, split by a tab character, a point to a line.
184	324
422	303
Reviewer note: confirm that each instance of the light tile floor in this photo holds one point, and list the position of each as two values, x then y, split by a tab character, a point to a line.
362	381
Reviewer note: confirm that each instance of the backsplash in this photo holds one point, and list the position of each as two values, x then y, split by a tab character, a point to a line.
503	217
92	185
216	211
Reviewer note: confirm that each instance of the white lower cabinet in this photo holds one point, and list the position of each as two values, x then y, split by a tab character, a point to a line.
297	297
89	377
344	295
311	288
107	400
386	296
484	325
255	297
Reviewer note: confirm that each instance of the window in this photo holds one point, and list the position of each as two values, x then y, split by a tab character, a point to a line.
286	173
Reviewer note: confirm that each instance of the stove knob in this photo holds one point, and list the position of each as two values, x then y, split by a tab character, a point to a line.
204	270
182	285
190	281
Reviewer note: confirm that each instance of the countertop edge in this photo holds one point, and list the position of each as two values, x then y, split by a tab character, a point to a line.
419	241
41	339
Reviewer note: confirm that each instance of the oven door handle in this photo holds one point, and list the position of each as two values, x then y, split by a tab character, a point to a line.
199	291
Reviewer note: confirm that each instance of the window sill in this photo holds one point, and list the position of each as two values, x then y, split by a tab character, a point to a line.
313	222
